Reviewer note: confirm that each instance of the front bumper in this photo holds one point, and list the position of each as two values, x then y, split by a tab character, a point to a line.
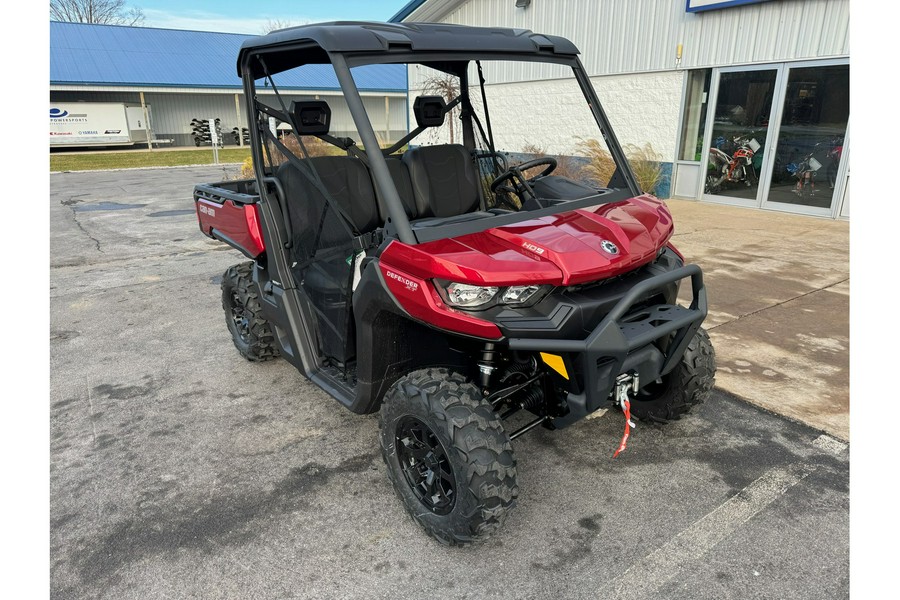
647	340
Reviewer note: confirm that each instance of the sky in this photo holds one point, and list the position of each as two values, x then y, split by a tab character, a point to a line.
240	16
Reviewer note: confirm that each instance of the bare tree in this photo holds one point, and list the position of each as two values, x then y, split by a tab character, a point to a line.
446	86
276	24
104	12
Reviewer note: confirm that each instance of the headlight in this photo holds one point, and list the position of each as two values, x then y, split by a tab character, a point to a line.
519	294
477	297
464	295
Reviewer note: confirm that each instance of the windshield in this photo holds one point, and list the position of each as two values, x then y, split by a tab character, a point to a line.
470	147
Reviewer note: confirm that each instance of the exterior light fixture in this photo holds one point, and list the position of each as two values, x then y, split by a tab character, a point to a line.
522	3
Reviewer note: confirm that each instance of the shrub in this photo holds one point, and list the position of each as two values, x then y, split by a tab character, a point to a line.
314	146
600	165
646	163
565	166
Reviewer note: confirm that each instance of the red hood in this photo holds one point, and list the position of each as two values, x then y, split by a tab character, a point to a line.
561	249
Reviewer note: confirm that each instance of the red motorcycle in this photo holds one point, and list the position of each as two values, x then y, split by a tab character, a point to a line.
734	168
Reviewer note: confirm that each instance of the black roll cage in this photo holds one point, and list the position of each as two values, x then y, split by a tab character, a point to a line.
397	224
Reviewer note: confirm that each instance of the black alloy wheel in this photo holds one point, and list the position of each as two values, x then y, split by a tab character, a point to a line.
240	317
425	465
250	331
447	455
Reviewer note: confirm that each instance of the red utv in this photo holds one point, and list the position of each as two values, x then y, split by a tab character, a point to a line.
451	280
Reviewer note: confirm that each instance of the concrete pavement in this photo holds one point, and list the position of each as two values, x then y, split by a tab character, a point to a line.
779	297
178	470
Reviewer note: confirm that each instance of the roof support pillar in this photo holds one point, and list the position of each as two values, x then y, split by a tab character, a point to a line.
237	111
387	120
146	123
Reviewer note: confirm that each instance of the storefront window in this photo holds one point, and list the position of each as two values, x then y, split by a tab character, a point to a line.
811	137
738	141
693	121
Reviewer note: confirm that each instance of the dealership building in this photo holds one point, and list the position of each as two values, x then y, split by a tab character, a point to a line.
766	82
178	76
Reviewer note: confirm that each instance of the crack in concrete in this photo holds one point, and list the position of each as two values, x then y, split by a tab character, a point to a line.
803	295
80	226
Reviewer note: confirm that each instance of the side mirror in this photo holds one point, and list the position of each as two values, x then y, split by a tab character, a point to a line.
313	117
429	111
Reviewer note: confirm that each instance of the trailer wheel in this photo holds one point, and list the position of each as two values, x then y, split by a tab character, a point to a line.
448	457
686	386
251	333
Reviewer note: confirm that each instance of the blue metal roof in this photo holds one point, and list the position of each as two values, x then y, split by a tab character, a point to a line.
406	11
116	55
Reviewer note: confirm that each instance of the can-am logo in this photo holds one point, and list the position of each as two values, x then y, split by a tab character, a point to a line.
532	248
409	283
609	246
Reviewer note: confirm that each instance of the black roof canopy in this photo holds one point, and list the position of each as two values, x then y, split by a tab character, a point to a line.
350	37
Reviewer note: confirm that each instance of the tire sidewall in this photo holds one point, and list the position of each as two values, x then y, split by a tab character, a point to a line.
469	430
464	503
687	385
260	344
231	286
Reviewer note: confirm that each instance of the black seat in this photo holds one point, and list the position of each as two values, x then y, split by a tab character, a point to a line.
347	181
327	278
444	181
400	175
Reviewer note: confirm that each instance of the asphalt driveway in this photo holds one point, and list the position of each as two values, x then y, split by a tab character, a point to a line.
178	470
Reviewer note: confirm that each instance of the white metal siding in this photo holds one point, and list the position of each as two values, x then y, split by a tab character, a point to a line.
628	36
172	112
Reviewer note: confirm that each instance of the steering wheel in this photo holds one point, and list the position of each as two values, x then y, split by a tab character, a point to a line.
521	184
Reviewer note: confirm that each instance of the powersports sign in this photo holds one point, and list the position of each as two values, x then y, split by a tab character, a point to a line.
88	123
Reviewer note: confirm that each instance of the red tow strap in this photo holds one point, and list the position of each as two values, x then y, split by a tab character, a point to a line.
629	425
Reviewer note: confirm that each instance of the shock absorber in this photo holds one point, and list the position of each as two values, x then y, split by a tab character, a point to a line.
486	366
532	398
519	369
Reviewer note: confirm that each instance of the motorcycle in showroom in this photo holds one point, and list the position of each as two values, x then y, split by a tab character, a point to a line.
736	168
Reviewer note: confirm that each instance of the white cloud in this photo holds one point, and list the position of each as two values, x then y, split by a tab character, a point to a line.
204	21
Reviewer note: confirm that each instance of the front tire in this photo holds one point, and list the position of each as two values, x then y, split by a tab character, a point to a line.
250	331
684	387
447	455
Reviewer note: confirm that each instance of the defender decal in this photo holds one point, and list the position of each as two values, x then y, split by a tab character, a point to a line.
409	283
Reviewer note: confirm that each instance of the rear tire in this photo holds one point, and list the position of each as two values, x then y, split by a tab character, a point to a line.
686	386
447	455
250	331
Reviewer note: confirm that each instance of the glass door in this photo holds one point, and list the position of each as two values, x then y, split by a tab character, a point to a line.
810	139
737	129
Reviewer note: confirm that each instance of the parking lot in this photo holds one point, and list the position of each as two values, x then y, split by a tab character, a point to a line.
178	470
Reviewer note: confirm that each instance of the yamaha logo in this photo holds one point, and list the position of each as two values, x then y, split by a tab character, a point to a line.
608	246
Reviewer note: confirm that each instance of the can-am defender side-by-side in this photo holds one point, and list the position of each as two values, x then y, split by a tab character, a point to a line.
465	285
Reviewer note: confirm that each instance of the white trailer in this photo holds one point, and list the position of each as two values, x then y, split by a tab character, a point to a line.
97	124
